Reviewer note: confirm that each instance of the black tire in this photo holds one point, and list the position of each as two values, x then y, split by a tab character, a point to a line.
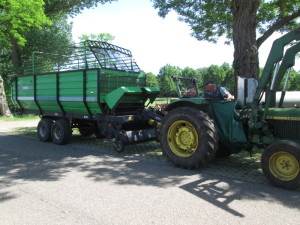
61	132
280	163
44	130
188	138
86	131
223	151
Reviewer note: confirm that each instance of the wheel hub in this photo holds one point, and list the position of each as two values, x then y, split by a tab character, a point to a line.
184	138
284	166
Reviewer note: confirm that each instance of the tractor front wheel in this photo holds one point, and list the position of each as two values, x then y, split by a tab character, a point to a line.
280	163
188	138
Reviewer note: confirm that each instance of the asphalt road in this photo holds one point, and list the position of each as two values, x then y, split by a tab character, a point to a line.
43	183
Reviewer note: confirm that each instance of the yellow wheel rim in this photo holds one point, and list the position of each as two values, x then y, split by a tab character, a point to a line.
183	138
284	166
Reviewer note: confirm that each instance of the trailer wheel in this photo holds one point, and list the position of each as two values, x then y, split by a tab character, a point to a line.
61	132
44	130
86	131
188	138
280	163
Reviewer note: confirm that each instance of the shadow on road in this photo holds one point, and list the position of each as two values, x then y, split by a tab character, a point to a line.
25	159
5	196
221	191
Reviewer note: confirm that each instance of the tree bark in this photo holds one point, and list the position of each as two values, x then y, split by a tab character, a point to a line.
245	62
4	109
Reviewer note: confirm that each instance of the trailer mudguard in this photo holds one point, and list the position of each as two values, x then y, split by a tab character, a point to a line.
230	128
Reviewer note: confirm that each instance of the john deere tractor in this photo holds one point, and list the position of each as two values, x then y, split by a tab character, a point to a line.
196	129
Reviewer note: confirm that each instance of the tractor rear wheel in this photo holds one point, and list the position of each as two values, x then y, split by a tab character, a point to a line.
188	137
280	163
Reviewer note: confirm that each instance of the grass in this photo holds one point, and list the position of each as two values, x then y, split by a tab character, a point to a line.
19	117
28	131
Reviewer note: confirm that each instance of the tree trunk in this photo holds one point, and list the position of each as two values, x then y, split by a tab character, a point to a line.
245	61
4	109
15	56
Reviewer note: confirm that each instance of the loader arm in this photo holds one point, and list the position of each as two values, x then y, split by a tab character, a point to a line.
271	68
287	62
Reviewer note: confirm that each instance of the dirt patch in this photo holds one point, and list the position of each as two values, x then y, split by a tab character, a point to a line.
9	125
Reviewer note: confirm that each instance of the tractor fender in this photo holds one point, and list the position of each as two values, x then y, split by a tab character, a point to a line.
187	102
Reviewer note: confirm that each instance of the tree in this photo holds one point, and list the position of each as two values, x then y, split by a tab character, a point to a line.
4	109
19	16
293	83
151	80
188	72
70	7
16	17
48	44
215	73
222	75
166	84
229	81
238	21
49	40
55	10
103	37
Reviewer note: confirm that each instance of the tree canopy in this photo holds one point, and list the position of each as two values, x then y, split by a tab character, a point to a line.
220	74
210	20
238	21
151	80
166	83
70	7
17	17
103	37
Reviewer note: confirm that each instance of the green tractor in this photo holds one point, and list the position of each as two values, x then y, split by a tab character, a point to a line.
195	129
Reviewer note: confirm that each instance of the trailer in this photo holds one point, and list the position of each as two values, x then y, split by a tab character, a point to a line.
96	87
